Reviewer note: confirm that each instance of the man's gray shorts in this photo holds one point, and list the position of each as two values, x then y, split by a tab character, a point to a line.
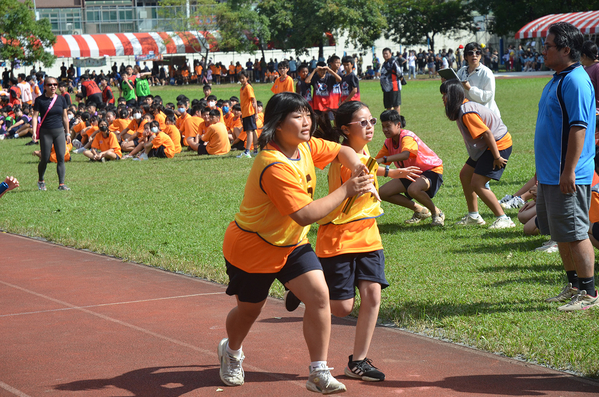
564	216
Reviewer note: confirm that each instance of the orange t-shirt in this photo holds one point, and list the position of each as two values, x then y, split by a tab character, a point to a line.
78	127
231	69
161	139
246	97
192	126
238	68
217	138
180	124
136	126
286	85
104	144
160	118
119	125
67	153
175	136
275	188
476	127
91	130
259	123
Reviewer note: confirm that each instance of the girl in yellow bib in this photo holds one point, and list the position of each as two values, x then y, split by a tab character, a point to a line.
348	242
267	240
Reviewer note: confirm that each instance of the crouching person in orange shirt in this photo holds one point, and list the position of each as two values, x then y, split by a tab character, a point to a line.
105	145
216	139
156	143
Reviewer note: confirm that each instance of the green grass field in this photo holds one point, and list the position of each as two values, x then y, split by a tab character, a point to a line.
476	286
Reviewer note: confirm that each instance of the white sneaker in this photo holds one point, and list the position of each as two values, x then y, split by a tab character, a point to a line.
506	198
143	156
80	150
77	143
514	203
1	137
471	220
581	301
231	371
502	223
244	155
321	381
548	246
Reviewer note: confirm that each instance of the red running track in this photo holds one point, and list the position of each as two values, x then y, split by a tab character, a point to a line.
73	323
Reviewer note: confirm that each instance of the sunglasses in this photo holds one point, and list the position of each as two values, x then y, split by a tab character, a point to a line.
51	85
365	123
472	53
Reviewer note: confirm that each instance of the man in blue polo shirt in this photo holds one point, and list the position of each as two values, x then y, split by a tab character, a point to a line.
565	151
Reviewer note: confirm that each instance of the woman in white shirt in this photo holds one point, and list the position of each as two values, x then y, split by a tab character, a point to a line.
477	79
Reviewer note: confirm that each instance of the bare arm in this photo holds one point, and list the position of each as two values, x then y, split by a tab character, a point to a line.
65	123
335	75
360	183
489	139
309	78
395	157
36	114
567	180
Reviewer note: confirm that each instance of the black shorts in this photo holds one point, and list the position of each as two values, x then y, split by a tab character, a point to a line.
435	180
95	98
342	272
391	99
157	152
136	141
595	230
202	149
249	123
238	146
254	287
484	165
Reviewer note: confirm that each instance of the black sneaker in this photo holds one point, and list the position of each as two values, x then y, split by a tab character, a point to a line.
31	143
63	187
364	370
291	301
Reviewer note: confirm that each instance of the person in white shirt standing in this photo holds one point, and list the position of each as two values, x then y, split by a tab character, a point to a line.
477	79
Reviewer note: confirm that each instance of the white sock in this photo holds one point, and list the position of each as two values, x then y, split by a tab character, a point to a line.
314	365
235	353
504	216
473	214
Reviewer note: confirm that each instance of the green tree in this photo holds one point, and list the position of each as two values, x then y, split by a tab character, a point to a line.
24	38
241	27
512	15
197	16
418	21
300	24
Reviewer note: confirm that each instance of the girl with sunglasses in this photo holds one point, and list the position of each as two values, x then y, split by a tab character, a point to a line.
348	241
477	79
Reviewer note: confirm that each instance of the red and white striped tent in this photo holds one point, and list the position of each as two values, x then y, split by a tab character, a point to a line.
122	44
587	22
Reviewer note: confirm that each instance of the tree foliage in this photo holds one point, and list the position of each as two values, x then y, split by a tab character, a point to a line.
300	24
242	28
512	15
416	21
24	38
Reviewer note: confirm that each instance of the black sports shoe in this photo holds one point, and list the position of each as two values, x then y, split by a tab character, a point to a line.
364	370
31	143
291	301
